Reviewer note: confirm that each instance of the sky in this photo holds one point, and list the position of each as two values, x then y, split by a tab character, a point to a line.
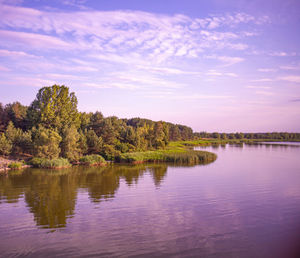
214	65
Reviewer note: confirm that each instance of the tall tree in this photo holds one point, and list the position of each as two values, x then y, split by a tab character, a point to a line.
54	107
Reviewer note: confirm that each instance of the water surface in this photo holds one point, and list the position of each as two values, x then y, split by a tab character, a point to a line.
245	204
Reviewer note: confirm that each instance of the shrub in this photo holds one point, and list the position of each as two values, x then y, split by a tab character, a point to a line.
15	165
50	163
92	160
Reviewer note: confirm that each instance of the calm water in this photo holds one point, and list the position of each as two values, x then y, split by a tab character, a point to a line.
245	204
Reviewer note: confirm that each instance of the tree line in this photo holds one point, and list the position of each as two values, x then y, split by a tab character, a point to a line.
280	136
51	127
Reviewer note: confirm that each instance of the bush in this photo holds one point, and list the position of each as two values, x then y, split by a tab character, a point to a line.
92	160
50	163
15	165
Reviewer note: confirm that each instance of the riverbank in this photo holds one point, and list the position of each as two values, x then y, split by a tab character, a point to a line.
175	152
7	164
179	152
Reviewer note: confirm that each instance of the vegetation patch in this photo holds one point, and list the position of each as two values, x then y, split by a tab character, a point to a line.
50	163
92	160
15	165
178	156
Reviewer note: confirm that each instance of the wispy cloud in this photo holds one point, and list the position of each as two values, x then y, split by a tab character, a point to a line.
15	54
172	96
263	80
165	70
32	40
258	87
266	70
291	78
217	73
289	67
155	36
75	3
282	53
265	93
227	60
4	69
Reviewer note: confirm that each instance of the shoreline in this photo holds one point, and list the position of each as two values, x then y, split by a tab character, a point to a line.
176	152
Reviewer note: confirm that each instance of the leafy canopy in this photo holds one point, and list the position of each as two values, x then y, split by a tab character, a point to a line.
54	107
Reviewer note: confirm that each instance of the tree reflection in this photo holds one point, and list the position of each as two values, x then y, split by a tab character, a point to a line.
51	195
102	183
158	173
12	187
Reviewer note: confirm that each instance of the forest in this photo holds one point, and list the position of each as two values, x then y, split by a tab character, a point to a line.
52	127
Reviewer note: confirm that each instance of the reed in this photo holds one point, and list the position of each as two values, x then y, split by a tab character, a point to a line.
181	156
50	163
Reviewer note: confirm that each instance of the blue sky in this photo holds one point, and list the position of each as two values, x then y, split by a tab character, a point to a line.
213	65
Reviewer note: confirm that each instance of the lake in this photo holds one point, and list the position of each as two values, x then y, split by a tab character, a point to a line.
245	204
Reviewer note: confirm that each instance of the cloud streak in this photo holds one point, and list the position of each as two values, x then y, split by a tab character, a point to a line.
157	36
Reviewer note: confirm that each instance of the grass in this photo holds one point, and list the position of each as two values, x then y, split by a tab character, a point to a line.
174	153
92	160
50	163
15	165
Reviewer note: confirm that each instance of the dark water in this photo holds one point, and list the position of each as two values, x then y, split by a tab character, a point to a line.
245	204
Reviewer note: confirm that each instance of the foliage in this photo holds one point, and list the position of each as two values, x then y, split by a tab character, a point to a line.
70	148
82	144
46	143
15	165
5	145
94	143
49	163
21	141
54	107
109	152
280	136
92	160
179	155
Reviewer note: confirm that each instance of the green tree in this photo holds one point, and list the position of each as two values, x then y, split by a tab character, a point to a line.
54	107
174	133
5	145
16	113
2	118
82	144
223	136
158	133
70	143
21	141
95	143
96	122
216	135
85	120
46	143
